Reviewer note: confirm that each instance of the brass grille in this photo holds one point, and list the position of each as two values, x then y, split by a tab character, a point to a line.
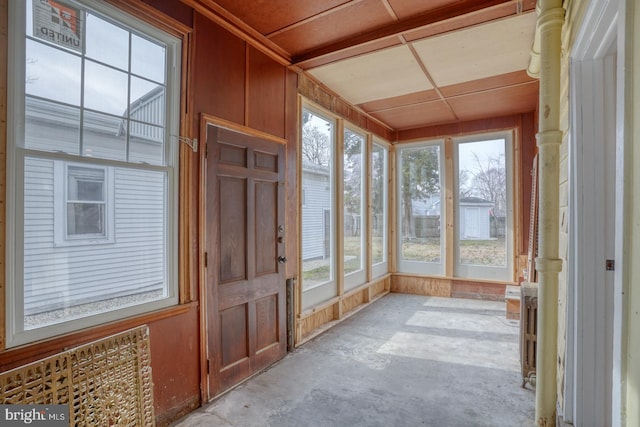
105	383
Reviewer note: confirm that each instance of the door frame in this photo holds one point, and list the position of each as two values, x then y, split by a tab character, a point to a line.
206	359
597	82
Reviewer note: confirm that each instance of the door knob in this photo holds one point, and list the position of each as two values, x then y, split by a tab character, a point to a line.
282	259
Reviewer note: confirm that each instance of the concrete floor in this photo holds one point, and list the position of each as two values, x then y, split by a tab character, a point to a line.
406	360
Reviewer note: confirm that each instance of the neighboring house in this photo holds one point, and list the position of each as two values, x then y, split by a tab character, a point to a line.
99	233
475	223
316	218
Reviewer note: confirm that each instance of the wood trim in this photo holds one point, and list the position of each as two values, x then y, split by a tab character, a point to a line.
449	210
338	161
4	44
392	212
216	121
202	271
187	215
321	95
247	83
235	26
153	16
421	285
34	351
368	206
516	194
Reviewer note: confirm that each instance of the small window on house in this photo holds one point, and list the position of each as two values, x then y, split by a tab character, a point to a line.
86	202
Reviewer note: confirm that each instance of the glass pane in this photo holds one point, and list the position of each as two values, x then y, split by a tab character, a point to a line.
105	89
482	203
378	203
51	127
52	73
56	22
317	212
85	277
85	184
353	199
420	203
85	218
107	43
147	101
147	59
146	144
104	136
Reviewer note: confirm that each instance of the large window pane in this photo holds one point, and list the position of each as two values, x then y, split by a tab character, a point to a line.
482	203
353	201
378	205
318	208
107	42
419	197
52	73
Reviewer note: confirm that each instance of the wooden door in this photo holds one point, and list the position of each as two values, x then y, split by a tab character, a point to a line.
244	216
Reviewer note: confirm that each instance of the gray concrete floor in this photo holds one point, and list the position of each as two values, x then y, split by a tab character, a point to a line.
406	360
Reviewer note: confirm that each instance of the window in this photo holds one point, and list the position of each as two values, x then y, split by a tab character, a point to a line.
420	209
483	204
92	168
83	203
86	204
318	212
354	199
480	214
379	209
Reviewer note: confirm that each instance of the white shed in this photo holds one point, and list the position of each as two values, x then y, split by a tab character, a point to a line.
475	222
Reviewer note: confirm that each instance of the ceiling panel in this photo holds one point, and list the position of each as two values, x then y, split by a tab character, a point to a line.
498	102
417	115
409	8
267	16
399	101
358	17
483	51
384	74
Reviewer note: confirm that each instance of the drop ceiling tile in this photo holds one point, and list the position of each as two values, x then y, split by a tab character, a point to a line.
383	74
499	47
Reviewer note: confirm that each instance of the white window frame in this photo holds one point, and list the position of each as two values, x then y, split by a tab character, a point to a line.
329	289
358	277
381	268
504	273
16	154
61	198
413	266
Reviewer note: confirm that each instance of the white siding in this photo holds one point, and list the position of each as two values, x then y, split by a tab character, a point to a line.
56	277
317	198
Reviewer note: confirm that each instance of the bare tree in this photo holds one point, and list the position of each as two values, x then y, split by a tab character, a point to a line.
489	180
316	149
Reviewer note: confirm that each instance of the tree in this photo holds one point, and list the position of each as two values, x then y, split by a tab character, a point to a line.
489	180
316	149
353	144
420	180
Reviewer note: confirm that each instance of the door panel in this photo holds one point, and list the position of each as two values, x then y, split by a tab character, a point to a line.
245	238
